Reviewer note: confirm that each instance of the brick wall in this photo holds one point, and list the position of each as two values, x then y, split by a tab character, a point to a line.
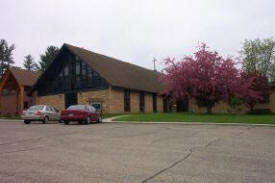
134	102
223	107
148	102
99	96
272	101
160	104
116	100
56	101
112	100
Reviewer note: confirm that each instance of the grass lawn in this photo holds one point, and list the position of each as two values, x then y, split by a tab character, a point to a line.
10	117
191	117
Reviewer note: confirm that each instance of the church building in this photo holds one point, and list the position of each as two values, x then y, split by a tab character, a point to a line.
79	76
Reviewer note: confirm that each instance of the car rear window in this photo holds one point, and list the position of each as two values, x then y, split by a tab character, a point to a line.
92	109
36	108
77	107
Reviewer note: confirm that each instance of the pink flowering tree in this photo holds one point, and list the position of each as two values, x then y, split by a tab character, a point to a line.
206	77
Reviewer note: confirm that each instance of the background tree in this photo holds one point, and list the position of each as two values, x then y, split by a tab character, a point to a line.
259	56
254	89
6	59
30	64
48	57
207	77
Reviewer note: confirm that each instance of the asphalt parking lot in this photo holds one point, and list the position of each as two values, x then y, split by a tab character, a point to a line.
136	153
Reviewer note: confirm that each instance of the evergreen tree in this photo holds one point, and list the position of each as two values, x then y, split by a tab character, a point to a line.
48	57
30	64
6	59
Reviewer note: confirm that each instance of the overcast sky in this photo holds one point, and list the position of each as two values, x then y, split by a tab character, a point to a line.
135	30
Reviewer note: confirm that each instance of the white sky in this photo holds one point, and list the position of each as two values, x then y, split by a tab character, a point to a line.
135	30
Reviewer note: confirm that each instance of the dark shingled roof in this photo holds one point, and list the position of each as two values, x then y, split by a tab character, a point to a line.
24	77
118	73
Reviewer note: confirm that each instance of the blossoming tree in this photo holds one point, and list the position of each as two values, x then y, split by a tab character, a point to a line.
206	77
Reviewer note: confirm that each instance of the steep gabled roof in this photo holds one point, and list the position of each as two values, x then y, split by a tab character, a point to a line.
24	77
119	73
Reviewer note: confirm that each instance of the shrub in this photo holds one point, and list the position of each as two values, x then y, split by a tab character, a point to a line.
235	104
260	111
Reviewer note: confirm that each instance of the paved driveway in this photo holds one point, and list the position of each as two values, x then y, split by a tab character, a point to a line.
136	153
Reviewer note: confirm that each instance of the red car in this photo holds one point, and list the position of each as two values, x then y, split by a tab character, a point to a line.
84	114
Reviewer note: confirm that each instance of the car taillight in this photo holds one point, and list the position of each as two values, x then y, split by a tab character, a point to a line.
38	113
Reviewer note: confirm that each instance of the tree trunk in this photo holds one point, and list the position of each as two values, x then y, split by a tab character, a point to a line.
209	109
251	108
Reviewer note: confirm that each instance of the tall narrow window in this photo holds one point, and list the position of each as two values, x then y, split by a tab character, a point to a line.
67	82
141	102
66	70
77	68
84	81
127	107
154	96
83	68
96	79
90	77
78	74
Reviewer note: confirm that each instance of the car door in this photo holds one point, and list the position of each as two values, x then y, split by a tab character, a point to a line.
93	113
88	111
48	112
53	113
56	114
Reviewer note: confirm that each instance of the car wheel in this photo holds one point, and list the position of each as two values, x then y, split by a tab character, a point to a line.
99	120
46	120
80	122
66	122
27	121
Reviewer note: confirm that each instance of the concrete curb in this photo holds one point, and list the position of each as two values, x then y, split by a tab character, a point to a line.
112	118
191	123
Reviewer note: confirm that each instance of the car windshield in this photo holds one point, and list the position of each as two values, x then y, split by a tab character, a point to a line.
77	107
36	108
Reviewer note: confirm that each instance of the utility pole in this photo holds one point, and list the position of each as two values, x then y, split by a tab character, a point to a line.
154	60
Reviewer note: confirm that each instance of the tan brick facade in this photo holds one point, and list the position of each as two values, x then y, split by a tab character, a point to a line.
99	96
148	102
56	101
160	104
116	101
272	101
112	100
223	107
134	102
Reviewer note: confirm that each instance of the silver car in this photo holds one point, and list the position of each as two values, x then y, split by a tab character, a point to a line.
42	113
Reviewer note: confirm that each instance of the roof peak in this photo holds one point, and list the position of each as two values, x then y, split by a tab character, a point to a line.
117	73
113	58
23	76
